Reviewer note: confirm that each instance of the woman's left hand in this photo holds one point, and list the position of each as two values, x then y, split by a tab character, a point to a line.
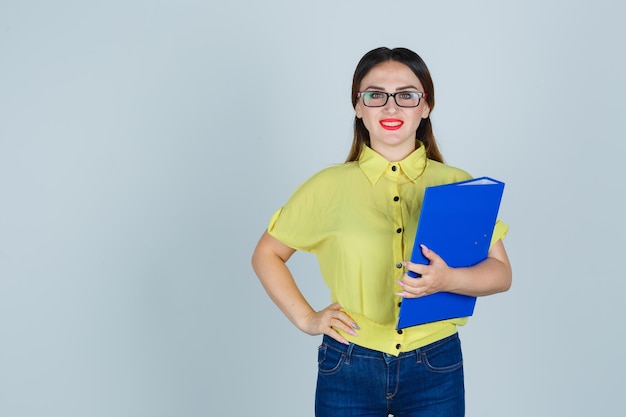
435	277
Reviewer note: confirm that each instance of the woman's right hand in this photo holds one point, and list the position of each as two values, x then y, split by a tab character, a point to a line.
328	321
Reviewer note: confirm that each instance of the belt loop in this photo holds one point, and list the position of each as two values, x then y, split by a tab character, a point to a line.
349	353
418	355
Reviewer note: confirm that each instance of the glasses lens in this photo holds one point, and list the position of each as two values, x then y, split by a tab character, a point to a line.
408	99
374	98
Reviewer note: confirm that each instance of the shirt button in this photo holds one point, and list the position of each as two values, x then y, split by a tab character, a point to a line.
399	331
398	346
396	198
399	265
399	230
394	168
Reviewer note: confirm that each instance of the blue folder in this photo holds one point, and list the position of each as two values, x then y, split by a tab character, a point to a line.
456	222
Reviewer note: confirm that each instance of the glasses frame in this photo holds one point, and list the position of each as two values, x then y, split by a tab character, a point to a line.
359	94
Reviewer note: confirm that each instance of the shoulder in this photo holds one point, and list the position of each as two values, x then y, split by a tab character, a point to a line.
327	179
337	169
446	173
332	174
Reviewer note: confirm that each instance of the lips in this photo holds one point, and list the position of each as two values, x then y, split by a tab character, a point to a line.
391	124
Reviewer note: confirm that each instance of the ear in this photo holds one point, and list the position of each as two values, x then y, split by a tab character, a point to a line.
357	110
425	111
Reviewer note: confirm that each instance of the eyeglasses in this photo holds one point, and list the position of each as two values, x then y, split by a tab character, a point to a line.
380	98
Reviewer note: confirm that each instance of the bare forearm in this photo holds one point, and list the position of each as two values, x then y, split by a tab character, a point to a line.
282	289
279	283
488	277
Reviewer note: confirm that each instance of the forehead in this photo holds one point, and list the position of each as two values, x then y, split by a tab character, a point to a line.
390	75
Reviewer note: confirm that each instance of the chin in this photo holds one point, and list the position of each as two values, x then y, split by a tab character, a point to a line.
395	141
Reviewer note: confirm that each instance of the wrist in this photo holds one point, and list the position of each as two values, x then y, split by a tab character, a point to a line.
454	279
302	320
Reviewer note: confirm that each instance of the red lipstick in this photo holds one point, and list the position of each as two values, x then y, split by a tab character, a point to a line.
391	124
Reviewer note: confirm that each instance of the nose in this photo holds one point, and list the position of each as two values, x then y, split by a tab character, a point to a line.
391	106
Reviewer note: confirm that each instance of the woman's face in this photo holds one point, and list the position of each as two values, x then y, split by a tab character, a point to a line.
392	128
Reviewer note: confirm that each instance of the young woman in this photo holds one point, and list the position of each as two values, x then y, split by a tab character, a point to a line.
359	218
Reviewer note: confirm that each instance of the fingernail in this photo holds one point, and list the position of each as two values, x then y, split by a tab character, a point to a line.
345	342
355	326
424	246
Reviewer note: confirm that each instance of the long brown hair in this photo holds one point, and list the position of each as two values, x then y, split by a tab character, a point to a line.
412	60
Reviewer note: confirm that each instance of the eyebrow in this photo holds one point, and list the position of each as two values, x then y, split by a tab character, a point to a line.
377	88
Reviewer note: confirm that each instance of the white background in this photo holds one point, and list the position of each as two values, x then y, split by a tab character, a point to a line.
145	144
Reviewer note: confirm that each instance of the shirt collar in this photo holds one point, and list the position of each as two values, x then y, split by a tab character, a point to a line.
374	165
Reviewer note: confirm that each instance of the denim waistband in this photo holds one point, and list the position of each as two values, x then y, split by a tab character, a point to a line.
355	350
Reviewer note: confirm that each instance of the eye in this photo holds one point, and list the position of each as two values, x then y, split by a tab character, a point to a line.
407	95
376	95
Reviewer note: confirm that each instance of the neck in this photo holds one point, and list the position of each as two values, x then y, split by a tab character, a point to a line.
394	153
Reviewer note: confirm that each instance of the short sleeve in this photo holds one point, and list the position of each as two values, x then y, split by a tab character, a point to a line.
273	219
303	222
499	232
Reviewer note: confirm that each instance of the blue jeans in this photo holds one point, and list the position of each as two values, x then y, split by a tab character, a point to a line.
354	381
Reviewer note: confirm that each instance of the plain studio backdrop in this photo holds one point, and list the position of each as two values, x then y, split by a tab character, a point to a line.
144	146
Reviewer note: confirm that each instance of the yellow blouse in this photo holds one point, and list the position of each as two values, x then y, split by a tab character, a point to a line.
359	219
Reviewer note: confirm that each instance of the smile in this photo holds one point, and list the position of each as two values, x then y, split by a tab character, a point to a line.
391	124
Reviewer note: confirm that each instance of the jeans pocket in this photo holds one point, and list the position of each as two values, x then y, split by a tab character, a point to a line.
329	360
446	357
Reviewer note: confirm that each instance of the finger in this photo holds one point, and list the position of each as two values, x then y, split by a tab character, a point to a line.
334	306
338	323
419	269
413	288
345	318
410	282
332	333
412	294
429	254
342	316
